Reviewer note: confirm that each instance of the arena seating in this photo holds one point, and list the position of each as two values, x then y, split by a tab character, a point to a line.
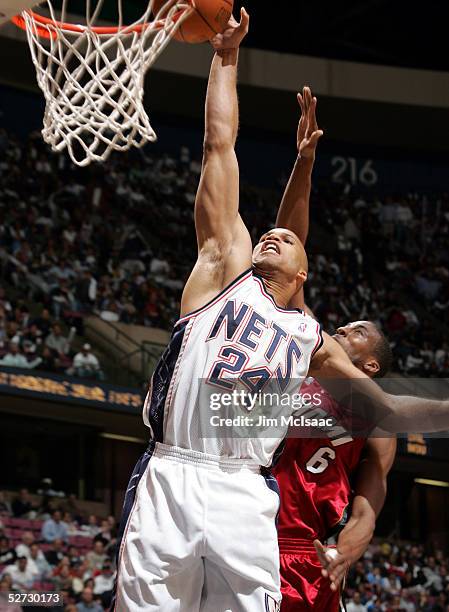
398	577
390	576
79	554
118	240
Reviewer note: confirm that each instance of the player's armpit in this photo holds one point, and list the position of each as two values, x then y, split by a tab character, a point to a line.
368	403
216	267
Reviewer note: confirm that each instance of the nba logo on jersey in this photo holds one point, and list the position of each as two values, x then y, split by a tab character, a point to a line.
302	327
271	605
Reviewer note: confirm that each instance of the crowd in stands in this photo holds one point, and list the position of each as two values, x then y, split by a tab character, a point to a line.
53	547
118	240
390	264
399	578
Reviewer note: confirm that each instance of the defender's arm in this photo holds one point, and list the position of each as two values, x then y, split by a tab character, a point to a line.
369	497
294	209
224	244
366	400
293	212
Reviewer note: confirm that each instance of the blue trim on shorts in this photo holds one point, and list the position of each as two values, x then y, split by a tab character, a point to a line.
128	504
160	382
272	483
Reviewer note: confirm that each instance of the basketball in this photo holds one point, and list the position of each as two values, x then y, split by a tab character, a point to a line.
210	18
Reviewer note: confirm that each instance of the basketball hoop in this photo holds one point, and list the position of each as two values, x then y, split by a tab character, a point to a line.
92	76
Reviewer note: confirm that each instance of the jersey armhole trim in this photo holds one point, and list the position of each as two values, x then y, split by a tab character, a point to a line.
319	342
231	285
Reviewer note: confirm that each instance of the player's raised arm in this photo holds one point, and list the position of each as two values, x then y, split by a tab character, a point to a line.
293	212
294	209
368	402
224	244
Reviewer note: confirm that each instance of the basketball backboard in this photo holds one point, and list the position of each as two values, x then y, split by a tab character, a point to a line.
9	8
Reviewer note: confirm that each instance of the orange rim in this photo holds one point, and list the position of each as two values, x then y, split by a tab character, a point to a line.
48	28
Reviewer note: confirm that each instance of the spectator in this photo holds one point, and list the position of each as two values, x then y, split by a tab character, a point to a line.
56	553
54	529
37	557
22	506
92	528
87	290
356	604
72	527
78	571
63	579
104	584
5	506
6	582
7	554
86	365
87	603
47	489
15	359
5	605
74	556
43	322
57	342
406	602
22	575
49	362
112	523
105	531
23	549
96	557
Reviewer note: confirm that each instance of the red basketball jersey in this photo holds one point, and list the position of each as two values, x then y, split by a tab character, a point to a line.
314	476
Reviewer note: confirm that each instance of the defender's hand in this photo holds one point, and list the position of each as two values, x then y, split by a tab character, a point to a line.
308	132
233	35
335	561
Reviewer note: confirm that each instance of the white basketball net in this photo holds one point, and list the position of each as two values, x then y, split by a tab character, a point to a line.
93	83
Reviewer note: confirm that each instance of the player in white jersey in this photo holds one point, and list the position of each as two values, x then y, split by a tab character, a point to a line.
198	527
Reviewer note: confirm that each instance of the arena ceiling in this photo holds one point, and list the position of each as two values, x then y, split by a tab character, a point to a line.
368	31
376	31
395	33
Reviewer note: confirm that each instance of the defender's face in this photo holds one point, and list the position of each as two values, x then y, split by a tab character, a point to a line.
280	249
358	339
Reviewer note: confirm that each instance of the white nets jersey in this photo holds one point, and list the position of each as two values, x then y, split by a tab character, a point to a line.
241	338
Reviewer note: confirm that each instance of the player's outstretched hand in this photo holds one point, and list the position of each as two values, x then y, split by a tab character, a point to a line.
308	131
335	561
233	35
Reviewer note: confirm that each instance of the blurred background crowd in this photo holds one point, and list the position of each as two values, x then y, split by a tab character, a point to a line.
400	577
51	545
118	240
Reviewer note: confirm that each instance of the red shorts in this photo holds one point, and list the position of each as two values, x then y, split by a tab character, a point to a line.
302	585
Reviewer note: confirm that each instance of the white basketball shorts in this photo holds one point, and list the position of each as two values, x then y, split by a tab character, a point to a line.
198	533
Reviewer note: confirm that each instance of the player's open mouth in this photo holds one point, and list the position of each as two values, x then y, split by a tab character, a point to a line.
271	247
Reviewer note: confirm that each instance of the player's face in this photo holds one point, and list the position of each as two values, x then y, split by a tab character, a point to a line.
280	250
358	339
